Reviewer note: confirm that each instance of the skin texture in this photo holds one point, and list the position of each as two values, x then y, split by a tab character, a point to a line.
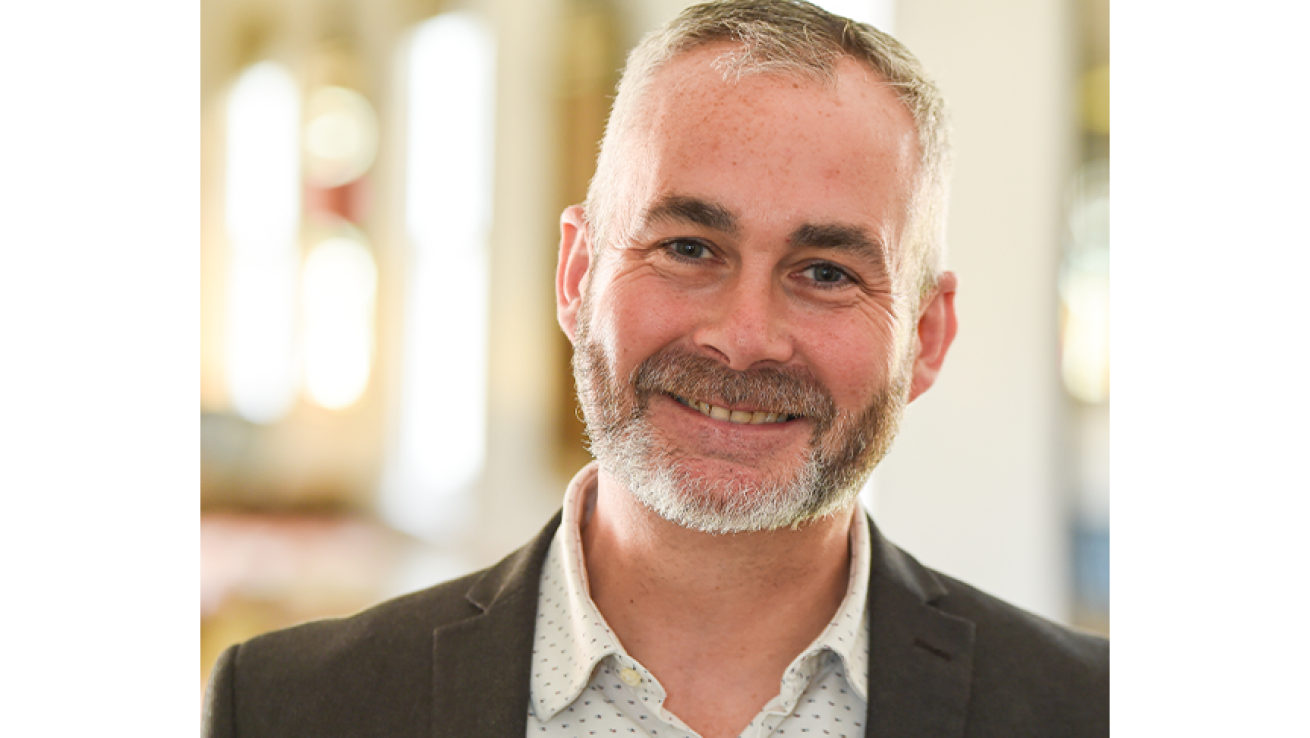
762	226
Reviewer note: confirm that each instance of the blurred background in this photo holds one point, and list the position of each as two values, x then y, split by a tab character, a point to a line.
385	395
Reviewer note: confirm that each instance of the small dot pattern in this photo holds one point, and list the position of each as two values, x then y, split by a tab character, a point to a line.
585	684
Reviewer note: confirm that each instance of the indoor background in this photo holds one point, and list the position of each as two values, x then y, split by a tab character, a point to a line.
385	395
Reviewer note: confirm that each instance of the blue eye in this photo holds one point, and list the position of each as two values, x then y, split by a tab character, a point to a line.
687	248
826	274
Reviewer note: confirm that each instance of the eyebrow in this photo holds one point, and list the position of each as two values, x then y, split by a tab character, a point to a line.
839	237
693	210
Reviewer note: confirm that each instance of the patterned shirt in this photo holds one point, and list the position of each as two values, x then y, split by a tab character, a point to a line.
584	683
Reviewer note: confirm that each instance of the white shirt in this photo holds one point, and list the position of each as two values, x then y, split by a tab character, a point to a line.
584	683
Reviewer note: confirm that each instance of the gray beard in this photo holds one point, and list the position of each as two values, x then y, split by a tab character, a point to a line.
842	452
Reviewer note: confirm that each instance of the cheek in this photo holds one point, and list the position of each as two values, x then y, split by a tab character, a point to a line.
854	361
636	320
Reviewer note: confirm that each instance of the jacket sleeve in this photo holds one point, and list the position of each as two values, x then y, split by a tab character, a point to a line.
218	720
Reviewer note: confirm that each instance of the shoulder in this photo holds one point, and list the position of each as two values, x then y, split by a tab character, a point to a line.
1009	672
362	675
1028	670
367	674
1006	633
384	632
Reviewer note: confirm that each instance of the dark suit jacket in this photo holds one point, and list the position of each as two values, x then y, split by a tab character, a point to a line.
454	660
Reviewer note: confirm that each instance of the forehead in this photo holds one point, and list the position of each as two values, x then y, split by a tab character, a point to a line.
780	146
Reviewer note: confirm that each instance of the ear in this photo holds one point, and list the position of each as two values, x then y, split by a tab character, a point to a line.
934	334
574	264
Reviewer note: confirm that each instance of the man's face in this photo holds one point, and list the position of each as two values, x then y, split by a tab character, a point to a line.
741	350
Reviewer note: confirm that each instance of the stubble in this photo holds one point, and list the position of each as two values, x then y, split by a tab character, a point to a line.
825	478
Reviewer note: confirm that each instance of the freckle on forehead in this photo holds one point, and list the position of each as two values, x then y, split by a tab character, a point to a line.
695	126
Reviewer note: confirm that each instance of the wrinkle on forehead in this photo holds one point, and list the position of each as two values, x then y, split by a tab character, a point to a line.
690	113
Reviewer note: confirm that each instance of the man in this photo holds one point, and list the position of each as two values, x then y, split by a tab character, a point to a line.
754	292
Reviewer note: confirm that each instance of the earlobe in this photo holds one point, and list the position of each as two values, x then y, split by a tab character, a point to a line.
935	332
574	264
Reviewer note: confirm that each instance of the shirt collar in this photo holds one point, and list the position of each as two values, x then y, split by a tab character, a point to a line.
572	636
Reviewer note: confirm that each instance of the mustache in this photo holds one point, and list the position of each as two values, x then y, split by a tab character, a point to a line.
677	371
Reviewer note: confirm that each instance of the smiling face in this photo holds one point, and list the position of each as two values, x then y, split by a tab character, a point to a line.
745	345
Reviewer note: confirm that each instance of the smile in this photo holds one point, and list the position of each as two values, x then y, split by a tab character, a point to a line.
758	417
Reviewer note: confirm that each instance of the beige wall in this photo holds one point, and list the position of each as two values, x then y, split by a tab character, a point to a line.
971	486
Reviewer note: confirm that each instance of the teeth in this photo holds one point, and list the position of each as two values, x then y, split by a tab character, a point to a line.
758	417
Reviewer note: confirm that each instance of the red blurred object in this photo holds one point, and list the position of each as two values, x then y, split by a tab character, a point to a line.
350	201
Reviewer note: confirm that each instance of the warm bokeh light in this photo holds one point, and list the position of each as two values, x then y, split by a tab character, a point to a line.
1085	349
262	218
1085	288
341	136
441	440
339	283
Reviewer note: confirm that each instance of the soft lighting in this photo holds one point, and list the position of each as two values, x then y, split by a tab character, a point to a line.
1085	287
341	136
1085	339
440	441
879	13
262	218
339	285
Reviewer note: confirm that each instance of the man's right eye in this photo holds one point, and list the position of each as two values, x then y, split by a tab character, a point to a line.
687	248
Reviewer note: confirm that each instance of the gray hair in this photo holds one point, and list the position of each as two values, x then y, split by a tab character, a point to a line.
791	37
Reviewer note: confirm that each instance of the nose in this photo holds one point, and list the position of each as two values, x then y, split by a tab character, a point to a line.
746	325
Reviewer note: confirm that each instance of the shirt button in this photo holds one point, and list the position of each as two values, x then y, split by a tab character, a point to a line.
630	677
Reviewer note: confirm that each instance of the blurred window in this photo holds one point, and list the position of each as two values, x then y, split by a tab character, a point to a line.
262	219
339	282
439	447
1085	287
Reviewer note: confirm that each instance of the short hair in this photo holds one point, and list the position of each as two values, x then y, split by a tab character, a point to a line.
796	38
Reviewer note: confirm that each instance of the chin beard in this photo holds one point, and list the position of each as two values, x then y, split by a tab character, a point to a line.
825	479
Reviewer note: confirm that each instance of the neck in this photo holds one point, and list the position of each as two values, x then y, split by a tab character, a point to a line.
670	592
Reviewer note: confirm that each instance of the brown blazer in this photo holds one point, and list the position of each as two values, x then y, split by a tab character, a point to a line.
454	660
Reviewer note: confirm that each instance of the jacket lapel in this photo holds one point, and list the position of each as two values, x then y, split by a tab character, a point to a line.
920	658
482	665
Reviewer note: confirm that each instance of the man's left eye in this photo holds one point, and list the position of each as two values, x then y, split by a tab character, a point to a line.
825	273
687	248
